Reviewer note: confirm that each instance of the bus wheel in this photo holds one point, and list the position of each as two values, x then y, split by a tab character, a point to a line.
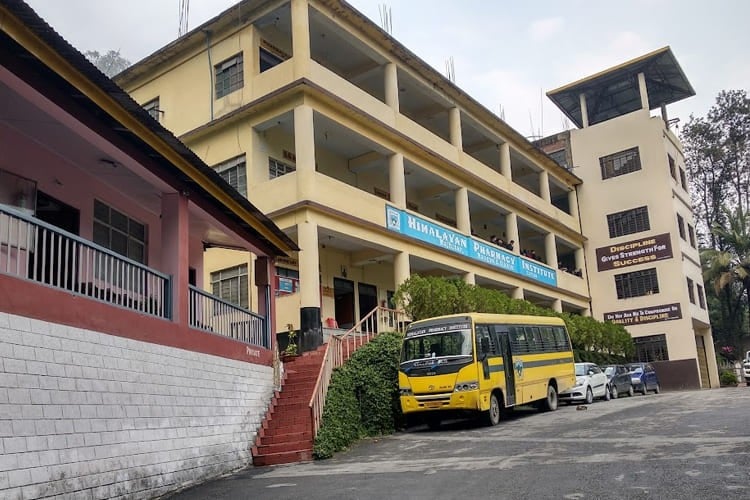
433	423
492	416
550	403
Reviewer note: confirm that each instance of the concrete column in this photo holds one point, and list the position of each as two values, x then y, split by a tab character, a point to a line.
505	167
463	219
544	186
517	293
391	86
586	313
557	305
300	38
713	369
579	259
311	328
643	91
573	203
175	254
584	111
304	148
511	231
264	271
454	120
470	278
550	250
396	180
401	268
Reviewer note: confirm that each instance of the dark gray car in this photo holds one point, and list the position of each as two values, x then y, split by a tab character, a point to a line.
619	380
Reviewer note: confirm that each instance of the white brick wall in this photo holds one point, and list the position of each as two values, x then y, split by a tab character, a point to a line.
92	415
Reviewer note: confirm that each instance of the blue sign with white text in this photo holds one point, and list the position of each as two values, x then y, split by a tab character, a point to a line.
423	230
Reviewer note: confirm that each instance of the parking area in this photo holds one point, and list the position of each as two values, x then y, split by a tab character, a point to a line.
692	444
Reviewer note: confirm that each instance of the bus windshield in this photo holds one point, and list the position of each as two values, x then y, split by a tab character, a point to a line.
451	343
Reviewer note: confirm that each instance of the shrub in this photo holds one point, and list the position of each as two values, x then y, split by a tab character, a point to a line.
728	378
363	397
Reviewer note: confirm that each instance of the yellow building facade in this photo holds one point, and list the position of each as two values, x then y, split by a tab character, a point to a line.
374	163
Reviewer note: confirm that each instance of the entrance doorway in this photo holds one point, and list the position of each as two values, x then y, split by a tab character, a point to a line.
368	298
343	294
51	266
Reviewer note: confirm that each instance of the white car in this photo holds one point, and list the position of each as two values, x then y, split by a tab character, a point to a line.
591	382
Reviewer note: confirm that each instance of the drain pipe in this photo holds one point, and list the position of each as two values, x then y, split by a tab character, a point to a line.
210	72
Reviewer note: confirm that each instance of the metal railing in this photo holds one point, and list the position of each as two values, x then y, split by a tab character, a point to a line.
341	347
212	314
34	250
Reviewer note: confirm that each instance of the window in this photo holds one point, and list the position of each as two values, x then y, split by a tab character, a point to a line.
278	168
683	179
701	297
651	348
231	285
268	59
152	107
288	280
620	163
691	234
234	172
672	167
228	76
636	284
118	232
534	339
691	291
445	220
628	222
681	226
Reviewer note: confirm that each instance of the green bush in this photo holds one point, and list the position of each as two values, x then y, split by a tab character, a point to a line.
363	397
728	377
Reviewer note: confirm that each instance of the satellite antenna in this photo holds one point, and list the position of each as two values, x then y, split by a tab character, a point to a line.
184	14
386	18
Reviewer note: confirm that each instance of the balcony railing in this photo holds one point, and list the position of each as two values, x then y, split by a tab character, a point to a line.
34	250
212	314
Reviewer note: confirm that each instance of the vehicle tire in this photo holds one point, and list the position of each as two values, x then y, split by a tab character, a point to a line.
658	389
631	391
551	402
613	392
589	396
607	394
644	390
492	416
433	423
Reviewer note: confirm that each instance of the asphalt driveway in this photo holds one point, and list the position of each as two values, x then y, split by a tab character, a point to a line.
673	445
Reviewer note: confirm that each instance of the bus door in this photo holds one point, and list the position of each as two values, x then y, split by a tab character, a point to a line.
503	342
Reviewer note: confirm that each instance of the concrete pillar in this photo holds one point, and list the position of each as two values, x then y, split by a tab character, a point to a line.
264	271
713	369
557	305
311	328
586	313
300	38
396	180
470	278
643	90
517	293
544	191
391	86
304	148
175	254
463	218
579	259
550	250
454	120
401	268
511	231
505	167
584	111
573	202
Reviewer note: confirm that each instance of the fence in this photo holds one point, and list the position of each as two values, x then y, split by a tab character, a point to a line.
212	314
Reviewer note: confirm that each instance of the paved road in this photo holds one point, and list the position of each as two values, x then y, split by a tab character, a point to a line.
682	445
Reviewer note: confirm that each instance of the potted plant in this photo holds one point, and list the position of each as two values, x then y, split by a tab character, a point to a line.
291	350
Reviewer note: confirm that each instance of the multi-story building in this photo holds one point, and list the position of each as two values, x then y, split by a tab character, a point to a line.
643	264
373	162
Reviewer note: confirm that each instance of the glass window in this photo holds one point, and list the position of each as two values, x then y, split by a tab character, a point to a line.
701	297
691	291
672	167
152	107
651	348
681	226
228	76
234	172
630	221
636	283
683	179
620	163
117	232
231	284
691	235
278	168
268	60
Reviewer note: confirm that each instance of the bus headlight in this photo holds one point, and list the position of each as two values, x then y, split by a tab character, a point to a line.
405	391
466	386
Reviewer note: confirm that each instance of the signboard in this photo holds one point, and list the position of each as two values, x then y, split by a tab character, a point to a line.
432	329
433	234
651	314
634	252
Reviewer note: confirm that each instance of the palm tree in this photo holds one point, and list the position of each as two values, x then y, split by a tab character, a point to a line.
728	267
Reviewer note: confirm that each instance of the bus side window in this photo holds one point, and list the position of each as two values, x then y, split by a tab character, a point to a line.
533	338
483	332
548	339
561	338
518	339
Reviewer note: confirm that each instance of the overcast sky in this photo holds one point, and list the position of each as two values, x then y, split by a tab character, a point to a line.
505	53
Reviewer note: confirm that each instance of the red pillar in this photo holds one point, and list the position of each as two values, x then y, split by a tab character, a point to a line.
175	251
264	280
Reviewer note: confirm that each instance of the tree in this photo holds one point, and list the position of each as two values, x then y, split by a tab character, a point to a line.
110	63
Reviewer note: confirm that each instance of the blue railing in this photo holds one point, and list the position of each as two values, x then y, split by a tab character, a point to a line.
212	314
34	250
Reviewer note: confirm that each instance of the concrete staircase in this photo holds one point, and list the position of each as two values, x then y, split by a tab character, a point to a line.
286	434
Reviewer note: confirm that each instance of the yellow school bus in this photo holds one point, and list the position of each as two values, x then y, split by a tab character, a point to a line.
481	363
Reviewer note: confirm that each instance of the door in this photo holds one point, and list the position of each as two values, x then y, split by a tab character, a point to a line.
510	379
368	300
56	256
343	295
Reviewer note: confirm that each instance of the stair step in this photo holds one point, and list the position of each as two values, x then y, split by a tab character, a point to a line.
270	449
283	458
275	438
272	428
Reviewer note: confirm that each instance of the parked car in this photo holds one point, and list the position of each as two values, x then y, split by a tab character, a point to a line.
746	368
619	380
643	377
591	382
